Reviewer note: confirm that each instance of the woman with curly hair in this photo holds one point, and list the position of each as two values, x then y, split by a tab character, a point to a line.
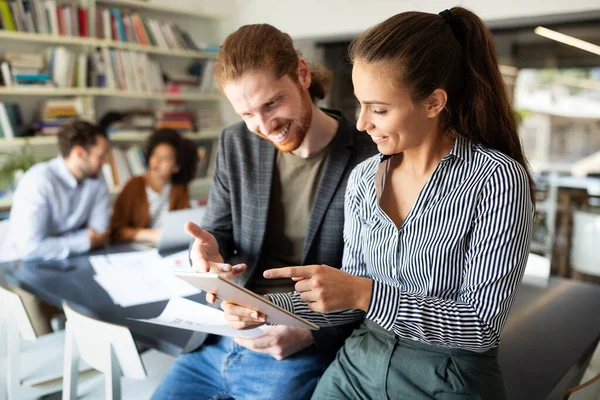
146	198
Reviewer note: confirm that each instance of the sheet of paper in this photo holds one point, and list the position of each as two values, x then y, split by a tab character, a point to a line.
141	277
187	314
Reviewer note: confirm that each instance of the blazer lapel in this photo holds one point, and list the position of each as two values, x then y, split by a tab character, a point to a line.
335	166
266	162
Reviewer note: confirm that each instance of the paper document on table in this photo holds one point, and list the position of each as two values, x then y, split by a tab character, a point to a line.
141	277
187	314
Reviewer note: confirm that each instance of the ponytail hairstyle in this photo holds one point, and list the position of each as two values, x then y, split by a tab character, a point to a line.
453	51
264	47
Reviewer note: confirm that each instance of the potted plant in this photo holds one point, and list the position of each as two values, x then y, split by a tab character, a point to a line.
13	165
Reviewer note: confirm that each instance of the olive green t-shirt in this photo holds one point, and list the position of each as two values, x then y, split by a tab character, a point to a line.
293	191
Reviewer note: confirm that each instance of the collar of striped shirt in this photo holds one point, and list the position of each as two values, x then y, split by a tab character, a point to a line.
462	149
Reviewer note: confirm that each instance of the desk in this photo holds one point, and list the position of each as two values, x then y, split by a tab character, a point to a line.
77	286
549	330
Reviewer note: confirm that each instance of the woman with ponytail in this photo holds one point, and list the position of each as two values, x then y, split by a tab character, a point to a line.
437	227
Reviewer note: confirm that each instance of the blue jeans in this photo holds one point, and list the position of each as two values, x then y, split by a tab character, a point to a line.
221	369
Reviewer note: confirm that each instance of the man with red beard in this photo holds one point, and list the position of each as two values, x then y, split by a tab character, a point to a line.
277	199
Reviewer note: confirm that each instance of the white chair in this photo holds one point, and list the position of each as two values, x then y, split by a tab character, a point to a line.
585	251
537	270
30	366
111	350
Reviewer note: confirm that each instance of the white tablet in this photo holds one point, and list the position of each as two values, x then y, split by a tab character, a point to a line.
230	291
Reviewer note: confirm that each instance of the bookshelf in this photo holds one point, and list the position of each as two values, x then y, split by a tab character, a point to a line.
84	41
171	58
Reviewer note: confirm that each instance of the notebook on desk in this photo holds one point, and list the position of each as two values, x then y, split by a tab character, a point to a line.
173	234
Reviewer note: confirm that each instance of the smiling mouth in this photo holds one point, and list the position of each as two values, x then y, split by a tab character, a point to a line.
378	139
277	137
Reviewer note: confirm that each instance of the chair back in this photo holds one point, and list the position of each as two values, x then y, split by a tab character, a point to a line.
584	243
97	341
13	312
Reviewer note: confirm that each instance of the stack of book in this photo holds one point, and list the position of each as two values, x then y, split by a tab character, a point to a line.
24	69
208	116
58	67
69	69
127	26
127	70
56	113
43	17
173	119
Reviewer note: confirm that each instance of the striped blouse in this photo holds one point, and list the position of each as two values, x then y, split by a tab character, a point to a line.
449	275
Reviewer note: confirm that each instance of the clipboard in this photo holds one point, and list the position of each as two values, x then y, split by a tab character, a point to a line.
230	291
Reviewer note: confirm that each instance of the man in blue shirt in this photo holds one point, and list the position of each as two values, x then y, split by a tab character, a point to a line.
60	207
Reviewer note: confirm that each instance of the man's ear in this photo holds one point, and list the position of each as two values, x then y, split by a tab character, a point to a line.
436	103
77	151
304	77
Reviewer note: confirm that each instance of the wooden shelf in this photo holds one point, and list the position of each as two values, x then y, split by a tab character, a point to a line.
43	91
136	136
121	137
33	140
97	92
189	96
42	38
149	6
92	42
155	50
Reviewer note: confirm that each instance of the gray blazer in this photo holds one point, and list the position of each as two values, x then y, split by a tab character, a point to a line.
238	208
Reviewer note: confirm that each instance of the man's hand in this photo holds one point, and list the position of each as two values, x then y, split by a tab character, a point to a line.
97	239
205	256
279	341
326	288
240	317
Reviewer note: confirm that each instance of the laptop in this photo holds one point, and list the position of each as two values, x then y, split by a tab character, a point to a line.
173	234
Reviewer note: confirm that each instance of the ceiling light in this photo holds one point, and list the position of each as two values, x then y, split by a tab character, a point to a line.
566	39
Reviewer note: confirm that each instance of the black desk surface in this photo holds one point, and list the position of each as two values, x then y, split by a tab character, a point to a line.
550	328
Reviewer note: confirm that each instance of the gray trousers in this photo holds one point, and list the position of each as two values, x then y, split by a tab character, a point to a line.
375	364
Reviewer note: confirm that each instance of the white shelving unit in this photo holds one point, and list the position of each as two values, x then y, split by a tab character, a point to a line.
45	146
121	137
84	41
101	92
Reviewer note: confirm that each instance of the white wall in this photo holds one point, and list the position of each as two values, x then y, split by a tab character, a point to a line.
308	21
345	18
